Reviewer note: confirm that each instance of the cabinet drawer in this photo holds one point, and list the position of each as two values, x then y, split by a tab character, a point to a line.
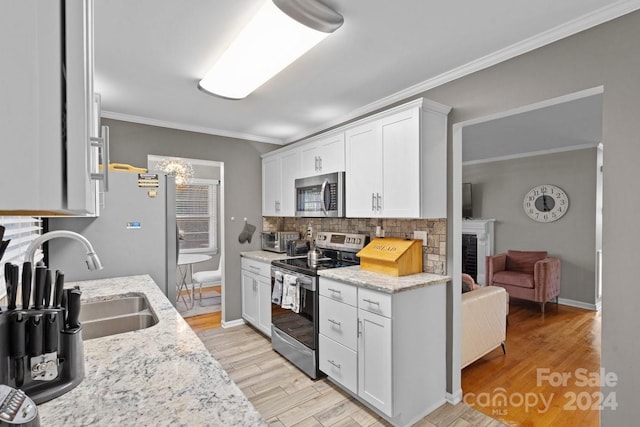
339	291
374	302
339	322
256	267
339	363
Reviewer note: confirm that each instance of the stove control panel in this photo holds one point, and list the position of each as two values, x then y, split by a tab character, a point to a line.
341	241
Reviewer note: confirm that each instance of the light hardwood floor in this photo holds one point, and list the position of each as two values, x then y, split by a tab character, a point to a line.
284	396
563	340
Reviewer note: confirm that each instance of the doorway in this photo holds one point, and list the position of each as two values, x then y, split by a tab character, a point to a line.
506	151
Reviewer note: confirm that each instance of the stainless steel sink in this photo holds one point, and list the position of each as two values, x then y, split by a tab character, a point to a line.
122	313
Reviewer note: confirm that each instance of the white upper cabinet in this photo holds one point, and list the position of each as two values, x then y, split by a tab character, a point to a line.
396	163
279	172
322	156
51	165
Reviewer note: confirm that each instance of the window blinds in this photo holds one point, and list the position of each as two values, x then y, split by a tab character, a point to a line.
22	231
196	215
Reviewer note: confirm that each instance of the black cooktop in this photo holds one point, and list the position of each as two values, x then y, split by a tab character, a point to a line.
301	265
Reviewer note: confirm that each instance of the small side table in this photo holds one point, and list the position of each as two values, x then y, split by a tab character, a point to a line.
185	266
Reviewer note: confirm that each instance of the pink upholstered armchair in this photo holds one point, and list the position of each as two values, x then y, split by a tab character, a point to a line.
526	275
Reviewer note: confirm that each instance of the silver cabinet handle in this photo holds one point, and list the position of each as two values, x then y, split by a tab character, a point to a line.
254	268
379	201
315	158
102	143
371	302
359	327
373	201
337	291
334	322
337	365
320	164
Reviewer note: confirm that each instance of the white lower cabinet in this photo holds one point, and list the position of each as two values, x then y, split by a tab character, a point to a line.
388	350
256	294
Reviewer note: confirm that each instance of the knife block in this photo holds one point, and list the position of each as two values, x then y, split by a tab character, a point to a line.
70	360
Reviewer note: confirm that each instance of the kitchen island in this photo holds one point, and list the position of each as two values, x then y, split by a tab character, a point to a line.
159	376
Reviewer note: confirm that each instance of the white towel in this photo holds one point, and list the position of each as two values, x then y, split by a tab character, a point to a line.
291	293
276	295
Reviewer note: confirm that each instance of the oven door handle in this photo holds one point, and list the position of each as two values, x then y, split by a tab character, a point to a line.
323	190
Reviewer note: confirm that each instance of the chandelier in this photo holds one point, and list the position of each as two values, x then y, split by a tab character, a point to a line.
178	168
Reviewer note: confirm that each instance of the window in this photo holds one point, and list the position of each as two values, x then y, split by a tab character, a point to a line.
196	215
196	202
21	230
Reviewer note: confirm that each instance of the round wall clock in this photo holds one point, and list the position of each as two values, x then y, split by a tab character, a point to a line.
546	203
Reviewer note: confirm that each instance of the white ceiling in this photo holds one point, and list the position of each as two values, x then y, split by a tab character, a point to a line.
150	54
564	126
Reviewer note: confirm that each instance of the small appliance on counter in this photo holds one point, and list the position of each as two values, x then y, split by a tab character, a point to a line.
17	409
276	241
298	247
41	348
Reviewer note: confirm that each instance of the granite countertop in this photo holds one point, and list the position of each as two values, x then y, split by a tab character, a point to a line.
159	376
264	256
381	282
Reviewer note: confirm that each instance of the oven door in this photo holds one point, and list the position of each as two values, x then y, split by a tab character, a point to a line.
300	326
320	196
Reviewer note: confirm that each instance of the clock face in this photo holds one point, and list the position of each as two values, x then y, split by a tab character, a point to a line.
546	203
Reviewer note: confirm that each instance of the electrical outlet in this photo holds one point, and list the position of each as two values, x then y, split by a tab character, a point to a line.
310	231
420	235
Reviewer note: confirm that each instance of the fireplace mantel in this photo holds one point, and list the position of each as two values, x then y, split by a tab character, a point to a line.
483	230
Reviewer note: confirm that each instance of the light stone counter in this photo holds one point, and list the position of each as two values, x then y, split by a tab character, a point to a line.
264	256
159	376
382	282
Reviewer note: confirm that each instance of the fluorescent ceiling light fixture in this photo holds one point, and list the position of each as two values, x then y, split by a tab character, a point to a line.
281	32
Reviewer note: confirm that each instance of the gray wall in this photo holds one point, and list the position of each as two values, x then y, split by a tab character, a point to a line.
131	142
607	55
498	190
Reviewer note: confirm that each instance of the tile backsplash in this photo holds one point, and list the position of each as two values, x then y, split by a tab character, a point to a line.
434	255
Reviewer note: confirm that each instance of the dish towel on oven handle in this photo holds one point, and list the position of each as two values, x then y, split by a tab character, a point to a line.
291	293
276	295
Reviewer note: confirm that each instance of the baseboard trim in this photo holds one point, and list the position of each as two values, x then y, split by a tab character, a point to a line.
232	323
454	398
578	304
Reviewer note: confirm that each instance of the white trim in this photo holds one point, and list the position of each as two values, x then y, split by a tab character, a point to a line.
233	323
190	128
454	398
532	153
578	304
592	19
455	374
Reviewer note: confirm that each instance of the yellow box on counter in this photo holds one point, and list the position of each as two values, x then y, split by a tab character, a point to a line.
392	256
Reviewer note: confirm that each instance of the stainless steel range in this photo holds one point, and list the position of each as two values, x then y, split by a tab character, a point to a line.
294	304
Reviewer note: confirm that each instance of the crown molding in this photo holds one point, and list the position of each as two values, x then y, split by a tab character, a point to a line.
191	128
565	30
532	153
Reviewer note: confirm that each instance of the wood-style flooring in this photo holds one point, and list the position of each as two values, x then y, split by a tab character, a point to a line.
284	396
562	340
540	348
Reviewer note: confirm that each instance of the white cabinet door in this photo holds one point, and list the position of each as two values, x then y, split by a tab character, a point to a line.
249	297
323	156
290	167
400	138
264	304
374	361
271	186
363	161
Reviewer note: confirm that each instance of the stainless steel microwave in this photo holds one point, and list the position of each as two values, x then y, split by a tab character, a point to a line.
320	196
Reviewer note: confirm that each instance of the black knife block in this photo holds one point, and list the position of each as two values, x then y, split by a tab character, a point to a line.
70	360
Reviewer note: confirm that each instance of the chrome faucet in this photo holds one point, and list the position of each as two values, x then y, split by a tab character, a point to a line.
93	262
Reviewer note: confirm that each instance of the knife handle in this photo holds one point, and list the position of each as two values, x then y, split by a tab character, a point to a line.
26	284
73	307
35	335
51	333
41	271
47	287
14	271
58	291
